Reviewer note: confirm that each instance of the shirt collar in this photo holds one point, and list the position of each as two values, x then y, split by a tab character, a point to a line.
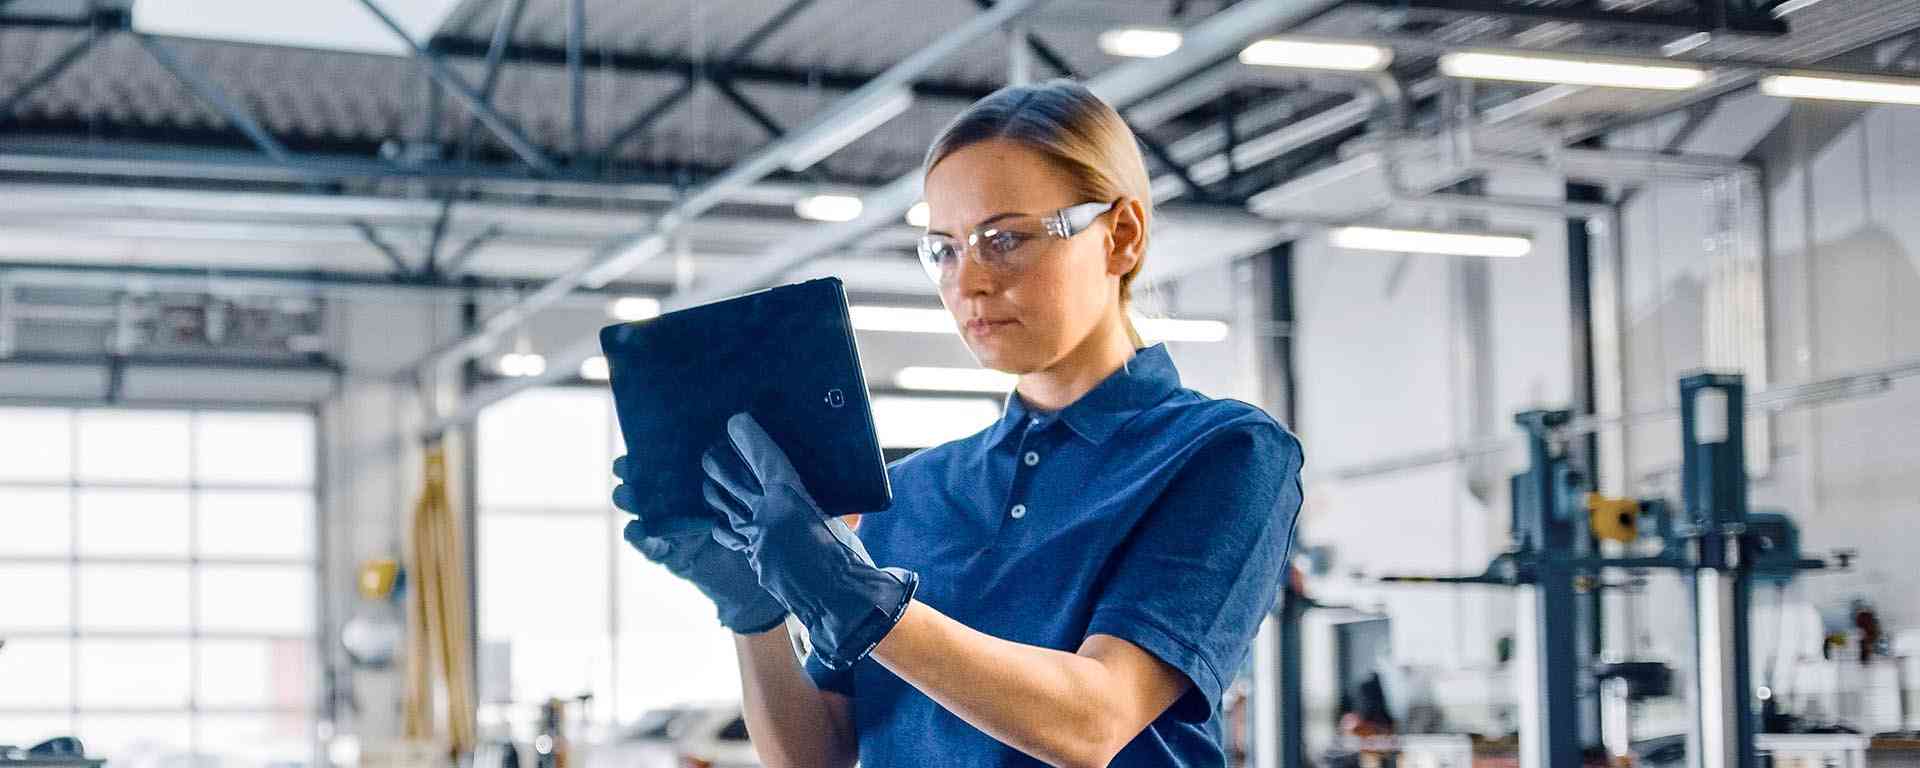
1142	381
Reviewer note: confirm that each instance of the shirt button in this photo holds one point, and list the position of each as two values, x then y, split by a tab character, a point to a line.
1032	458
1018	511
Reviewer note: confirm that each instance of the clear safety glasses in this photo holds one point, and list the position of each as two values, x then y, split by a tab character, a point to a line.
1005	244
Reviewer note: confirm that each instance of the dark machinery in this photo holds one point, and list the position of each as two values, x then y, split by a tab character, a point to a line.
1714	542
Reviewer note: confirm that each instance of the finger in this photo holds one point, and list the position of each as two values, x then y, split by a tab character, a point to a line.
623	498
728	537
653	548
758	448
848	539
723	465
620	464
693	522
733	510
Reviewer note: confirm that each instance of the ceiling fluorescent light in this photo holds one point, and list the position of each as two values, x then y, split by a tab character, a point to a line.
828	207
1171	329
339	26
1139	42
517	364
902	319
926	378
1567	71
1875	91
627	309
595	369
1782	10
919	215
1305	54
1428	241
821	141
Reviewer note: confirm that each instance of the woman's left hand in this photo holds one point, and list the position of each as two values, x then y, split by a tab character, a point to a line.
808	559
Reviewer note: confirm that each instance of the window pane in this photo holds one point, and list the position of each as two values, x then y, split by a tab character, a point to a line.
133	596
28	730
255	524
546	449
672	649
245	741
36	596
35	673
133	673
264	448
37	521
256	598
124	739
543	592
149	446
39	444
128	521
256	674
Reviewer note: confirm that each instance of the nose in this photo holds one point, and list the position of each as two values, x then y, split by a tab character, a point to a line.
970	278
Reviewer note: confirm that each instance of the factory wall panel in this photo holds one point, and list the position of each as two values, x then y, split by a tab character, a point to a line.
1842	184
1377	377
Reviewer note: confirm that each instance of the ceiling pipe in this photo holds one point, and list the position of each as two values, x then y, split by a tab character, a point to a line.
1210	42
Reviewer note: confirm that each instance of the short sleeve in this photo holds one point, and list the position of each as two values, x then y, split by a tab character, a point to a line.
1192	581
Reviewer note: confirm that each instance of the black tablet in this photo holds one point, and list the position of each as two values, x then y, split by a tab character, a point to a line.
785	355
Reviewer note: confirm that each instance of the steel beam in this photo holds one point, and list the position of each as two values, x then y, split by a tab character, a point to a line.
577	72
628	62
216	98
503	28
1206	44
451	80
646	119
356	286
373	238
1706	18
458	261
47	74
620	256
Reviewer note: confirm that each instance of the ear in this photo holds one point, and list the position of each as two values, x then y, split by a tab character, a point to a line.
1126	237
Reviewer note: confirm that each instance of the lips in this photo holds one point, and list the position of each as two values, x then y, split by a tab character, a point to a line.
983	325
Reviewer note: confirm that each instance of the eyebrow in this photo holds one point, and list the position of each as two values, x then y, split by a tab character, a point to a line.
988	220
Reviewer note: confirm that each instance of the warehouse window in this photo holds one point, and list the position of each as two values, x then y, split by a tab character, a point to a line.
566	607
157	582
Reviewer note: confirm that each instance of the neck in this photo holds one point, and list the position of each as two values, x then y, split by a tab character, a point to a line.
1096	357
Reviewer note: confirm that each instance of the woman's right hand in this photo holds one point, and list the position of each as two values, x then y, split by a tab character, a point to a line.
721	573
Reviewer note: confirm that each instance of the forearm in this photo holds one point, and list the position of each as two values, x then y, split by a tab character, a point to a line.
793	723
1056	706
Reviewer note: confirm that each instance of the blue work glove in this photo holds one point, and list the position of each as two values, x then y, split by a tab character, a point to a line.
721	573
807	558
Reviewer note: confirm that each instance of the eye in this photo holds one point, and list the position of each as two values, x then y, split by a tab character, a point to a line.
1001	242
938	250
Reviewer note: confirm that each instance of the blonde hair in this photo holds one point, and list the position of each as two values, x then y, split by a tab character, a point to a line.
1076	131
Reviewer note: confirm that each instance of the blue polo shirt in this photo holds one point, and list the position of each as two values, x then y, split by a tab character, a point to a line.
1144	510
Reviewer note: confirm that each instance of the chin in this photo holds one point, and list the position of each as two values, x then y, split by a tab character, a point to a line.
1006	359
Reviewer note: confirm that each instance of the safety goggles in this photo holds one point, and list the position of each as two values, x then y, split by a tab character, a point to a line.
1006	244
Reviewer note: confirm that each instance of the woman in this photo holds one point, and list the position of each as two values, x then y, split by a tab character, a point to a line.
1075	585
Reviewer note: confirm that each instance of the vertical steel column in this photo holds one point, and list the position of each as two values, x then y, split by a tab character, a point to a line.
1280	391
1713	482
1583	451
1552	536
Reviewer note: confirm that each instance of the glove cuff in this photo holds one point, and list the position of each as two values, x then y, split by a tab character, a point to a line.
755	618
858	643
